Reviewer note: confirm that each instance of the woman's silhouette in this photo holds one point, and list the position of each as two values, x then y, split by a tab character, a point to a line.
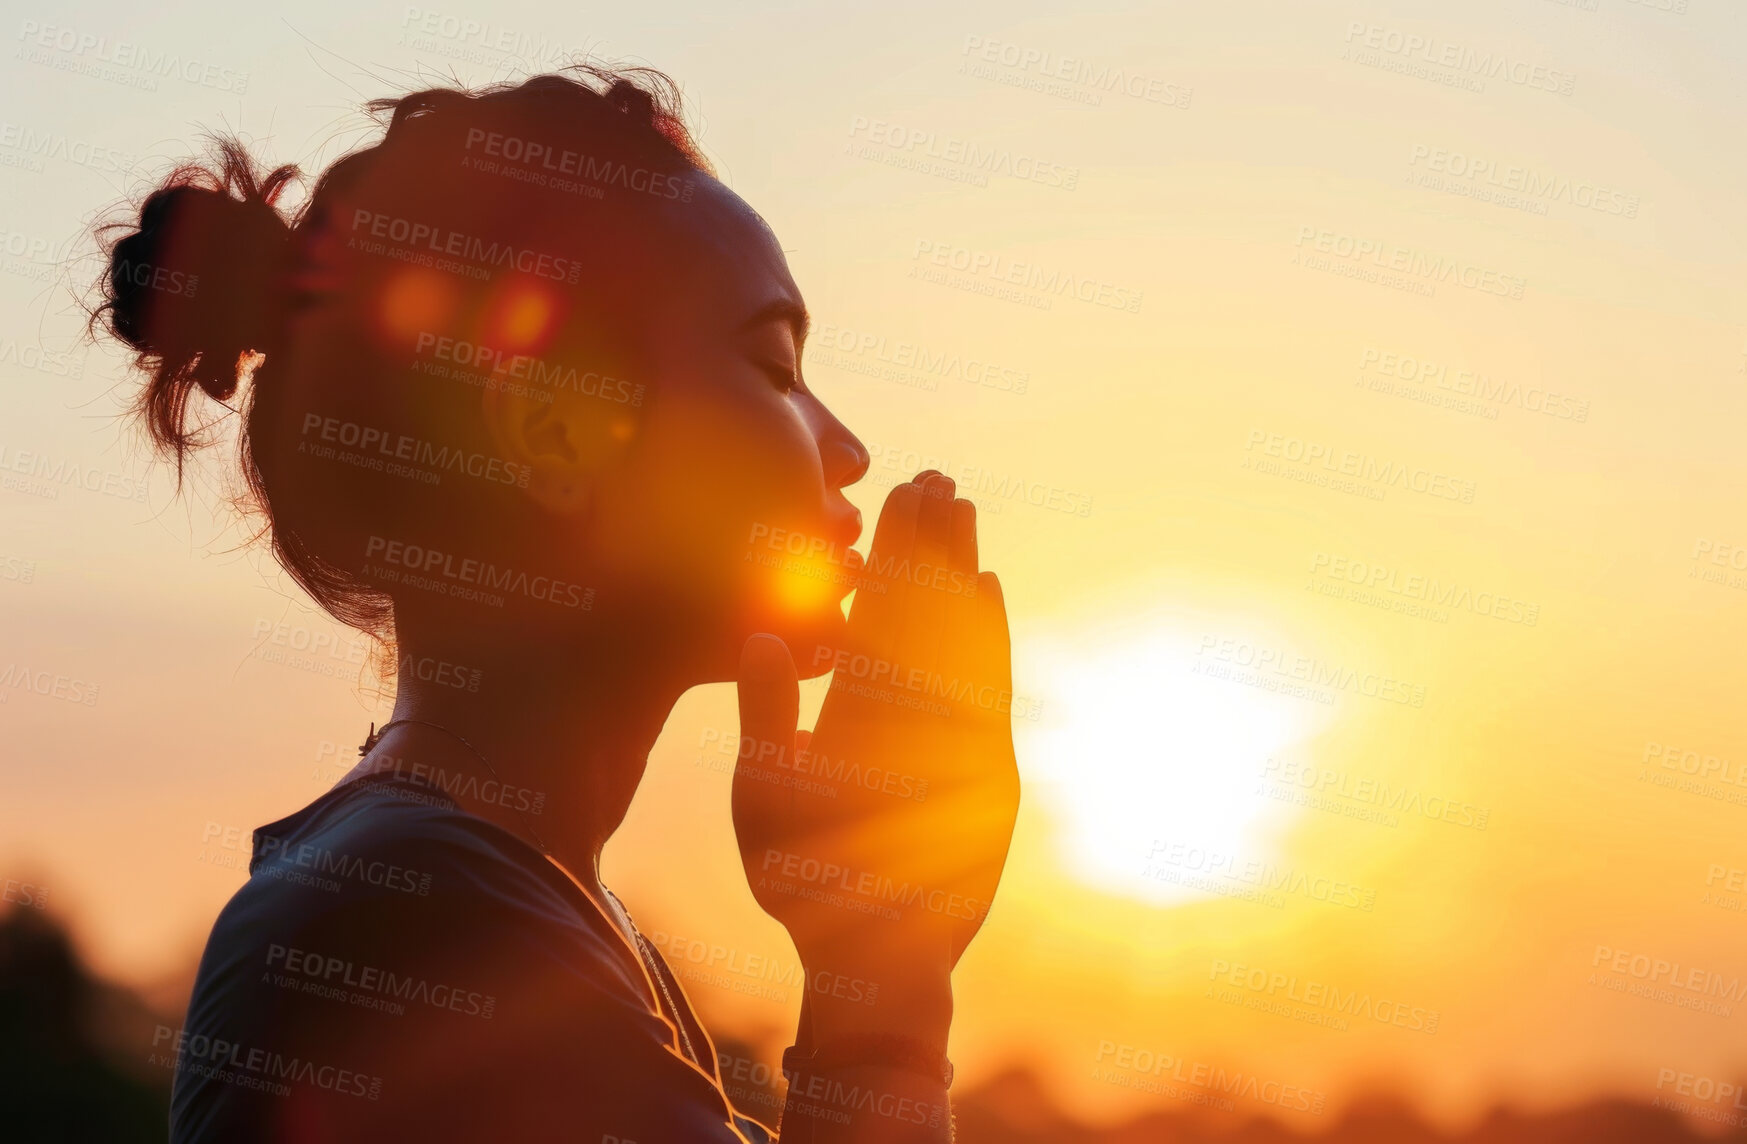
520	394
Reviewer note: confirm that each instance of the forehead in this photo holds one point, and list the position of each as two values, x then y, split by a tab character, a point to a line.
726	251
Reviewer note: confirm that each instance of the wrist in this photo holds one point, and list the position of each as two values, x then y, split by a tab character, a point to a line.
871	993
870	1050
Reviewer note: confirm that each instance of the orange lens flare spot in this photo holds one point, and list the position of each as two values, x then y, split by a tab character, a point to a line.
416	301
807	584
523	318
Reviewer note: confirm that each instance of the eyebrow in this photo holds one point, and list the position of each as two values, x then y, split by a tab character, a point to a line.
786	310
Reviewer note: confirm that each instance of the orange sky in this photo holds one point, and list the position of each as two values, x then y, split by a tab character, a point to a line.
1370	523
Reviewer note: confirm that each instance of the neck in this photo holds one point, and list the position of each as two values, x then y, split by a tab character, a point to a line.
564	733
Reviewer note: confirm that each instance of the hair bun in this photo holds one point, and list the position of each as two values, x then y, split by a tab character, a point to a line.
193	284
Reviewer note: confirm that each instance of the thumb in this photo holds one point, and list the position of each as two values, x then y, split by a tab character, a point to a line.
770	700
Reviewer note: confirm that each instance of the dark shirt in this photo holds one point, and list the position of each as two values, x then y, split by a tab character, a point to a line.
398	969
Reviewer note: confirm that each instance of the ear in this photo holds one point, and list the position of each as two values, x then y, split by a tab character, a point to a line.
564	441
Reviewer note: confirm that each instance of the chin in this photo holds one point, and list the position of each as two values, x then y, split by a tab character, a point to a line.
813	640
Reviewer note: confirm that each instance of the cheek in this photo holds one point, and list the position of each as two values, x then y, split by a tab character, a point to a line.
711	477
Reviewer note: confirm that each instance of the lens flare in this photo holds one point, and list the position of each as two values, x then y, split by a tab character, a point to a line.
417	301
806	584
523	317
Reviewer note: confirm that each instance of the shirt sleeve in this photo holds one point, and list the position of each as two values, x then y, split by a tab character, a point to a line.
484	1006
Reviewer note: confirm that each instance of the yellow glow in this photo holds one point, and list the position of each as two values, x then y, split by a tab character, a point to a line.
807	583
1134	747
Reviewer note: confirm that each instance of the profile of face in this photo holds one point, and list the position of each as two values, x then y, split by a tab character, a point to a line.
706	510
731	507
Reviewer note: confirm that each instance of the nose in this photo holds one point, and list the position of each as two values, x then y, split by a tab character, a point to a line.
853	461
845	458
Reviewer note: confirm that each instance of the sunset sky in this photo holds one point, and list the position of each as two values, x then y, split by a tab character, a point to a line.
1352	394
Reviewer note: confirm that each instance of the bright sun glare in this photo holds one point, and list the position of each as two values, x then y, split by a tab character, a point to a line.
1136	747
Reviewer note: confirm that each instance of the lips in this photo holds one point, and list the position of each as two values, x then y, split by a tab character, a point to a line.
848	530
853	562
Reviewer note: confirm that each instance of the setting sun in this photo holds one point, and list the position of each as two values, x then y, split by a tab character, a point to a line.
1141	743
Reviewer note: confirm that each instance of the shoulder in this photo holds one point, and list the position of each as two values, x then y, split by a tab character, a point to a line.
397	966
393	870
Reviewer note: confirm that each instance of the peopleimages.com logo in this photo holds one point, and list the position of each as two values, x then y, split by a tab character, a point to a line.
547	165
399	454
424	243
130	64
465	577
256	1067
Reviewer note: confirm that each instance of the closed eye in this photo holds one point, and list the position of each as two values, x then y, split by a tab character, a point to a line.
785	377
